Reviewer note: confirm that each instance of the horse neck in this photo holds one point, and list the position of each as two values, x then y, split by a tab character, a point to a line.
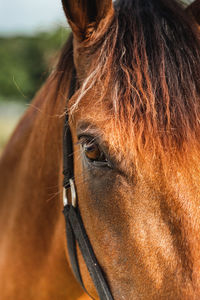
31	223
31	163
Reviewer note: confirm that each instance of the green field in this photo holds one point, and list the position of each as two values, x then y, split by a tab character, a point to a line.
10	114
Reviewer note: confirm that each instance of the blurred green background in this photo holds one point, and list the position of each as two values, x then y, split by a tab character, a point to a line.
32	34
25	63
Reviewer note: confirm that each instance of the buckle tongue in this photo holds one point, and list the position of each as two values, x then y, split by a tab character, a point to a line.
73	194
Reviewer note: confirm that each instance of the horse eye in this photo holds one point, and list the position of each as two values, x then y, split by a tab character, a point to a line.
93	153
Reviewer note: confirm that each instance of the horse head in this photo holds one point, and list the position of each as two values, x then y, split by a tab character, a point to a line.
133	110
134	119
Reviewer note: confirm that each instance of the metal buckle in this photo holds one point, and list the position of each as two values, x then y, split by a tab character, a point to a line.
73	194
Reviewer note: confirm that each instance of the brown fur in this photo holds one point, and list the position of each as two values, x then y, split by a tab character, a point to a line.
138	73
33	263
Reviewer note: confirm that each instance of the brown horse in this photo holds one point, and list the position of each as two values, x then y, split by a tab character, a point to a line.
135	122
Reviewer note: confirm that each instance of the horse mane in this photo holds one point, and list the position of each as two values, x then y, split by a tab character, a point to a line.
149	65
150	59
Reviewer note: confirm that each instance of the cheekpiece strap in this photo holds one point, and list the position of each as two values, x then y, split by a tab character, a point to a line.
75	230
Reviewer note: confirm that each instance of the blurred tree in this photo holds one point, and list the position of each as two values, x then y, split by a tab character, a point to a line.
26	61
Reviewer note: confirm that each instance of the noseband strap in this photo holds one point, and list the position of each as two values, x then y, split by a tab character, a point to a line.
75	229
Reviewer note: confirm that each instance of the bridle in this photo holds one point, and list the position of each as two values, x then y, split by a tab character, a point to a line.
75	230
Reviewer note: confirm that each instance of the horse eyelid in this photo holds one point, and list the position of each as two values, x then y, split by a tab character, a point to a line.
86	137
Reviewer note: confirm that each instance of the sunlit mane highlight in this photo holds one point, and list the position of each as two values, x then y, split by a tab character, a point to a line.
148	63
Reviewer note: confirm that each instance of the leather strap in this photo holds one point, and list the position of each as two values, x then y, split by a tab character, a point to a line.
76	230
68	161
71	245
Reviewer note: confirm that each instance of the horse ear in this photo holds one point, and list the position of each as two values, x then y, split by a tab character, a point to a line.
85	16
194	10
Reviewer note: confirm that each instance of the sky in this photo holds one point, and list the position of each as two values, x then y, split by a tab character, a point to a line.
29	16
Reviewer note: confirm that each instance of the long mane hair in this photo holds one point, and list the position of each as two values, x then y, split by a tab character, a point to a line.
150	60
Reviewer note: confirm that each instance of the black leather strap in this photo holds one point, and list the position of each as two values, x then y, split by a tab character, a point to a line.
68	161
75	230
71	245
75	226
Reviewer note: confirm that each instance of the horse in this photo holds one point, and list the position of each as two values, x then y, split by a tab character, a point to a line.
134	119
